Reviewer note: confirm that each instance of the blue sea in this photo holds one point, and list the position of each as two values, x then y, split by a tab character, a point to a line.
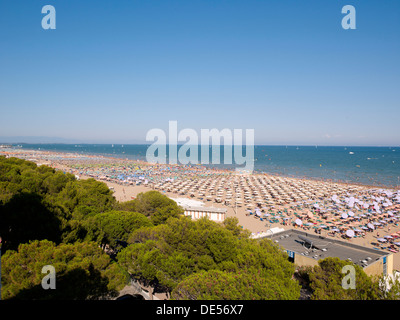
377	166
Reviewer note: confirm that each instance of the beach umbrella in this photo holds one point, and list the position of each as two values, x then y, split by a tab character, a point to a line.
371	226
350	213
388	193
299	222
350	233
382	240
344	216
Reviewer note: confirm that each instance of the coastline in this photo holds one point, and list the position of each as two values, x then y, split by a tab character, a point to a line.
110	157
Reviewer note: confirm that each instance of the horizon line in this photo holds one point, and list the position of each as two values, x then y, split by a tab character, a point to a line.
144	144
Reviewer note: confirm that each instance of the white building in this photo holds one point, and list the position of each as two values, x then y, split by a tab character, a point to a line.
214	214
197	210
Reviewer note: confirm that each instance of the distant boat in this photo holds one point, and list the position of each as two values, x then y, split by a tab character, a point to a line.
351	152
112	146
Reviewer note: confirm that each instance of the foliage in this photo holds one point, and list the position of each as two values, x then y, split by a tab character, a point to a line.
167	254
83	271
162	214
126	206
219	285
156	206
40	203
231	224
390	286
111	226
326	282
26	217
166	249
148	202
85	197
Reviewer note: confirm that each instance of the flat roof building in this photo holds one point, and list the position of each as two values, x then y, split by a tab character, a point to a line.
197	210
214	214
306	249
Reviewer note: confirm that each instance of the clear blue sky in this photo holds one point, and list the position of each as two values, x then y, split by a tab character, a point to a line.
112	70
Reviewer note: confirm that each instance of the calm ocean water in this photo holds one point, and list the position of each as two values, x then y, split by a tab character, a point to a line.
378	166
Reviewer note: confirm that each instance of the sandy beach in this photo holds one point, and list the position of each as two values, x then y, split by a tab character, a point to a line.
363	215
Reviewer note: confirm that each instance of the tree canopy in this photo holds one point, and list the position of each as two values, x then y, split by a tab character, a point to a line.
113	226
37	202
153	204
325	282
83	271
219	285
167	254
